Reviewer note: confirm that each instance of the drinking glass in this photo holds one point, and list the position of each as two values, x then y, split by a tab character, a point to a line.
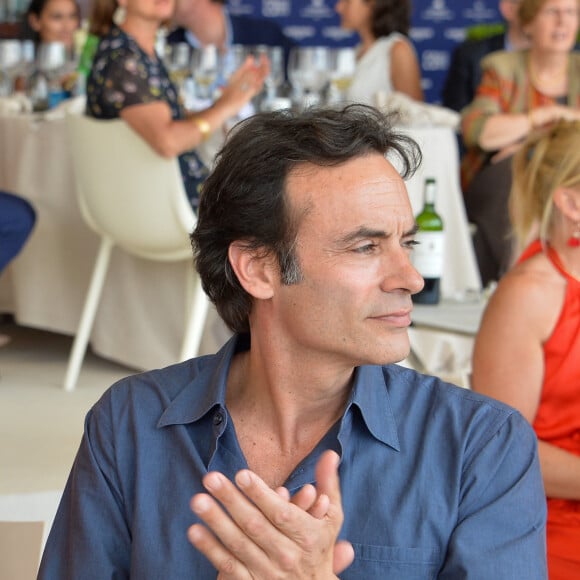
232	59
342	66
46	86
275	78
205	70
51	57
308	73
10	54
177	60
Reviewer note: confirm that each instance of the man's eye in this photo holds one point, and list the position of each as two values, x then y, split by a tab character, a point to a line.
411	243
366	249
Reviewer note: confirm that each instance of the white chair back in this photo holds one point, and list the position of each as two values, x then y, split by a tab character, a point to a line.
132	198
127	192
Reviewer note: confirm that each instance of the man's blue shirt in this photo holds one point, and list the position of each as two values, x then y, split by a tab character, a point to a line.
437	481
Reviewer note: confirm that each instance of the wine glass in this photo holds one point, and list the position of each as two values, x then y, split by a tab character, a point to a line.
342	67
308	73
205	70
275	78
10	54
232	59
51	57
177	61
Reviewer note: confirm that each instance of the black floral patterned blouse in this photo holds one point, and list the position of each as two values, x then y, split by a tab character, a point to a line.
123	75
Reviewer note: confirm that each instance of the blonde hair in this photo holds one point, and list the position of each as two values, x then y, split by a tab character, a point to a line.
547	161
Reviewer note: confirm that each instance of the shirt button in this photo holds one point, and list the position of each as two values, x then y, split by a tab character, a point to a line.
218	419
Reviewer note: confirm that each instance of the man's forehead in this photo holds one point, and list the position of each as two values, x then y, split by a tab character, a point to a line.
346	196
370	171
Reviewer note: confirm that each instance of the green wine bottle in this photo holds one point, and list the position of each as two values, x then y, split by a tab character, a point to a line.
428	254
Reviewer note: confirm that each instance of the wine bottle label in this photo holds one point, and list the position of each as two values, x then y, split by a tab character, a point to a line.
427	256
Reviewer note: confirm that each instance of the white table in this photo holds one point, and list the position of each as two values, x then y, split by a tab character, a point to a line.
455	316
442	337
140	320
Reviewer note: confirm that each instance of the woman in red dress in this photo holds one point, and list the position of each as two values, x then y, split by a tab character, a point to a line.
527	352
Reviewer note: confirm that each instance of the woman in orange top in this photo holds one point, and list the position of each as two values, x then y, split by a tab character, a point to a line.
520	91
527	352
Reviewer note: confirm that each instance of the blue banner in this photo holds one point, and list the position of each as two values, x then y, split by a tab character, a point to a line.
437	26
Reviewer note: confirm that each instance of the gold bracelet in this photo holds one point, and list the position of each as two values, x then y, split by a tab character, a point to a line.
203	126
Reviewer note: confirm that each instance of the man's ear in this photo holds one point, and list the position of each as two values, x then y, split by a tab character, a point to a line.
256	270
568	203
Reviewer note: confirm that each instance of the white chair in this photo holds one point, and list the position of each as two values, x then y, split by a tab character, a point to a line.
20	545
134	199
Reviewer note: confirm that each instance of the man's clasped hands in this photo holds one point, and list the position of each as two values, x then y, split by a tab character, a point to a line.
258	532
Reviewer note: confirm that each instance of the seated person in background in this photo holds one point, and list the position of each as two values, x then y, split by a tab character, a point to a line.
519	91
386	58
303	244
205	22
52	21
129	81
527	352
464	74
17	219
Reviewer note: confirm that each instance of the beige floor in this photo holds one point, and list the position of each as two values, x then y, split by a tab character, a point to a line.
40	424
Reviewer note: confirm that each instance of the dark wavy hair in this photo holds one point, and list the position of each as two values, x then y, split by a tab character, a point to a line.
244	198
391	16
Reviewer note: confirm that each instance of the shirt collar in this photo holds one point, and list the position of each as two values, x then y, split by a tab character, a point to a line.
370	395
208	389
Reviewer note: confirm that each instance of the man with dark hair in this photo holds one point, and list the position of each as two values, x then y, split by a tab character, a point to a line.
307	453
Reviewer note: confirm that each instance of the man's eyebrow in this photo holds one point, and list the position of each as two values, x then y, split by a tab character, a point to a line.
412	231
362	232
366	232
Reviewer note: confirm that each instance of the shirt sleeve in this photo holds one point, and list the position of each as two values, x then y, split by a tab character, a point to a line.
487	102
90	536
500	532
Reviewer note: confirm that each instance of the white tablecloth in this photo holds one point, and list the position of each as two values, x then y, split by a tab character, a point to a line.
140	320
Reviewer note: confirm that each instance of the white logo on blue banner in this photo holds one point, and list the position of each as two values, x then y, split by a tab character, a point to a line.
276	8
438	11
435	60
479	12
421	33
454	34
240	7
299	33
318	9
338	34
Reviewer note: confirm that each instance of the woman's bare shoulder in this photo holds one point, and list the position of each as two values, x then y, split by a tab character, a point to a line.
533	290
